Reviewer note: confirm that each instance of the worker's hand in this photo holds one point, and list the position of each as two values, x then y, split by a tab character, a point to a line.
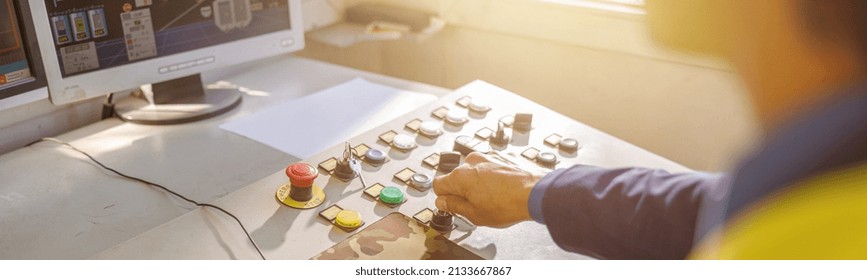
485	192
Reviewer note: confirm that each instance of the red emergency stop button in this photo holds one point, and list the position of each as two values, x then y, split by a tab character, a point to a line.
301	175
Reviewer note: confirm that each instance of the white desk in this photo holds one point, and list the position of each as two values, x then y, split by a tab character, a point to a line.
56	204
59	205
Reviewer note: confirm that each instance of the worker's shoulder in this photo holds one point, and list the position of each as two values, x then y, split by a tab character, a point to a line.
821	217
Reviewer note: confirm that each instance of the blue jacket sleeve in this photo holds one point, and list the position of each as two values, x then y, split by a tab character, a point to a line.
627	213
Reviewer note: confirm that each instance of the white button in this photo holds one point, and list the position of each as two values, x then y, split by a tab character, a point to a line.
456	117
547	158
173	68
287	42
430	128
209	59
164	70
569	144
479	105
403	142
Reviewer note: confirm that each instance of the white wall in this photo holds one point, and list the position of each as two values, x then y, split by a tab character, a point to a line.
597	67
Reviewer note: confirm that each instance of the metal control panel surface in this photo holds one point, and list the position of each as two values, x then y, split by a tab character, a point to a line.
283	232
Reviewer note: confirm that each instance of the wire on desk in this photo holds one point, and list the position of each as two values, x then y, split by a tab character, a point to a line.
155	185
107	107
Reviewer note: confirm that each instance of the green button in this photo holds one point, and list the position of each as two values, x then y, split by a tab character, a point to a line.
391	195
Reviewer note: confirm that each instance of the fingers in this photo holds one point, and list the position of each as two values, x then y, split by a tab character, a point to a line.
447	185
476	158
457	182
457	205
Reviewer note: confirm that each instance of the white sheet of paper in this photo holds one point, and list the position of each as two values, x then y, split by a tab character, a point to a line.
305	126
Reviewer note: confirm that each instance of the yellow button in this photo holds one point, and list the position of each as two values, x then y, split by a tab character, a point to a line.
348	219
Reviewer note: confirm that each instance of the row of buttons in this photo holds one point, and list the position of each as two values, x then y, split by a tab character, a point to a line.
477	105
433	129
188	64
466	144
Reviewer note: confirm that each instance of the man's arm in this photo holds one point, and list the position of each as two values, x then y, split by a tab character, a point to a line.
628	213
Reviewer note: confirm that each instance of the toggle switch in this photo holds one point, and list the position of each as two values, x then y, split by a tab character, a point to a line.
500	137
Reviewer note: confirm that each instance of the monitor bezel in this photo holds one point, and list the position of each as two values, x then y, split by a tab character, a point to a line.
34	56
63	90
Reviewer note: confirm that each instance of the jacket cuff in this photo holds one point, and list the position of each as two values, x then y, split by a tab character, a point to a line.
534	204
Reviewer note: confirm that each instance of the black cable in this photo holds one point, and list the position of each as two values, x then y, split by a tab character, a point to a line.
108	107
155	185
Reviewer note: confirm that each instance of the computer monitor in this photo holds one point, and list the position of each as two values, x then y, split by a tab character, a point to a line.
20	62
96	47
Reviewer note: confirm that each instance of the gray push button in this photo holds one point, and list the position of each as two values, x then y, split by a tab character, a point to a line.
374	156
547	159
421	181
568	145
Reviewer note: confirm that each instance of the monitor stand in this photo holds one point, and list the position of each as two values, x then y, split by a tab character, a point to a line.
176	101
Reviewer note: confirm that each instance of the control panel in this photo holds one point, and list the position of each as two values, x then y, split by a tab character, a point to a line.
338	201
391	168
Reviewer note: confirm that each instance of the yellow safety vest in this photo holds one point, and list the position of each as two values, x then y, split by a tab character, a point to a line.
824	217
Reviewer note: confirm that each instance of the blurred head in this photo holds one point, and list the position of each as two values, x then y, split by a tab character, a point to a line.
788	52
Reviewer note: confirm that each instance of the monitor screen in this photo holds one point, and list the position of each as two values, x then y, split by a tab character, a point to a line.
19	69
101	46
92	35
